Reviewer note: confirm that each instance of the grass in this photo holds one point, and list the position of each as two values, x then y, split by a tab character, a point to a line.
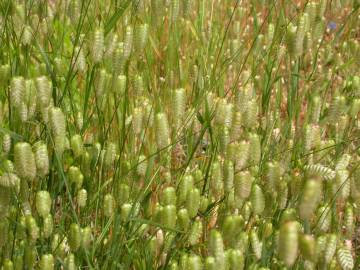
253	165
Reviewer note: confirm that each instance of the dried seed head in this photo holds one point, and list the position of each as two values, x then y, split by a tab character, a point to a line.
162	131
98	47
81	198
74	237
41	158
109	205
288	243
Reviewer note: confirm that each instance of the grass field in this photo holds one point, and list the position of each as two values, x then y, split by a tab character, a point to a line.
179	134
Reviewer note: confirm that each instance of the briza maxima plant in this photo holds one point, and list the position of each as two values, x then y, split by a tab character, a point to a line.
179	134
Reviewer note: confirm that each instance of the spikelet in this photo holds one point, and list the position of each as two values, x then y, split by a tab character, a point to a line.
75	176
228	176
32	228
168	196
300	34
179	105
81	198
110	154
70	262
47	262
128	41
109	205
309	199
315	109
9	180
17	91
44	88
345	258
43	203
193	202
41	158
168	216
254	148
24	161
97	46
30	98
341	185
250	115
111	45
236	126
58	128
48	226
216	181
186	184
194	261
162	131
291	38
349	220
195	233
216	249
125	211
241	155
183	219
243	184
141	37
307	246
175	10
257	199
27	35
337	107
288	243
137	120
324	218
236	260
6	143
330	248
256	245
74	236
142	166
86	237
318	170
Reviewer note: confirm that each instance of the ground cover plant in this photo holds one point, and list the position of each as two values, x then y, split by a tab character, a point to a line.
179	134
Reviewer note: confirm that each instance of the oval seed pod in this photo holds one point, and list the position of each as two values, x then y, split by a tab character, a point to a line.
254	148
309	199
179	105
242	155
123	194
162	131
228	176
196	232
256	245
43	203
110	154
59	246
288	243
44	88
141	36
243	184
193	202
58	127
70	262
257	199
81	198
345	258
8	265
216	180
168	216
355	108
290	38
125	211
75	176
324	215
86	237
32	228
194	261
17	91
337	107
349	220
29	256
137	120
183	219
9	180
48	226
109	205
24	161
74	237
41	158
97	47
186	184
330	248
76	144
236	260
47	262
210	263
169	196
6	143
216	249
128	41
307	245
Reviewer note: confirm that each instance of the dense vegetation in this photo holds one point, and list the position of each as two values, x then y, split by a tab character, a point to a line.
179	134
